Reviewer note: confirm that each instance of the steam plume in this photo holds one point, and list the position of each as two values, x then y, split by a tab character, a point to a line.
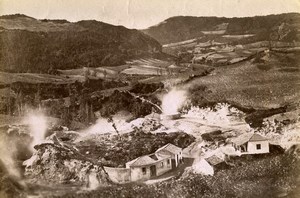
7	153
173	101
102	126
38	127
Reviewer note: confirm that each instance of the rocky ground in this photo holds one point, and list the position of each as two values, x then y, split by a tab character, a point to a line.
54	162
115	151
266	176
69	161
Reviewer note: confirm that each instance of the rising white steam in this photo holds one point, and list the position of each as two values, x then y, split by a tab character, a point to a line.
7	153
8	148
37	123
101	126
173	101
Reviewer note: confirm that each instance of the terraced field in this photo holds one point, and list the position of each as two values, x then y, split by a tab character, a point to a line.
8	78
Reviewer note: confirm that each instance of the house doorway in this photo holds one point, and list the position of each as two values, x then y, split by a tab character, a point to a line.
243	148
173	162
152	171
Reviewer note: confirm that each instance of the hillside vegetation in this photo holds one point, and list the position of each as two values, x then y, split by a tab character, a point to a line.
282	27
31	45
265	82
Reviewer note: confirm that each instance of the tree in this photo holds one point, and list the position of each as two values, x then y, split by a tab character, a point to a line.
104	73
19	102
110	120
273	37
50	70
37	97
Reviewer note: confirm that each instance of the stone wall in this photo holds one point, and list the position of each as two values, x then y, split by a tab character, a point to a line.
118	175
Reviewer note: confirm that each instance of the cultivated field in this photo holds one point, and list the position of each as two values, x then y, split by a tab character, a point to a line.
8	78
142	70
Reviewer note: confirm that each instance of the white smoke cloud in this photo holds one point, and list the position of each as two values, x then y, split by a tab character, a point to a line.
37	123
101	126
7	153
8	148
173	101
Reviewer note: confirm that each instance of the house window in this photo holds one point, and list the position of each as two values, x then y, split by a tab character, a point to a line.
144	171
168	161
258	146
162	164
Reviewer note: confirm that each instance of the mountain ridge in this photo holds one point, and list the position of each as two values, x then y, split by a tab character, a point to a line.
180	28
32	45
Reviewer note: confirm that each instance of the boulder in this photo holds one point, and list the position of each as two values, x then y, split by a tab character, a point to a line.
55	162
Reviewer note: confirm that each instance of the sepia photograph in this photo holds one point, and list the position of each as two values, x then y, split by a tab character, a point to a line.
149	98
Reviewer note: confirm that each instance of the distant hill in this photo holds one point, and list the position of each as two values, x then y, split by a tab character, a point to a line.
282	27
31	45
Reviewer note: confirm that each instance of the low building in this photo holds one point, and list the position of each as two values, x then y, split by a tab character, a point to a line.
215	158
251	143
173	151
148	166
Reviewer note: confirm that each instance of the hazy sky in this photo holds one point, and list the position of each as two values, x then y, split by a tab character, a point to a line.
143	13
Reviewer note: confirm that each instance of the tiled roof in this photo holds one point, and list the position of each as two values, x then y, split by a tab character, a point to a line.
247	137
142	161
256	137
170	148
214	160
155	157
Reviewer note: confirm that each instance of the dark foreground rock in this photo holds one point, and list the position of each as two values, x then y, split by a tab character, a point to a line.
56	162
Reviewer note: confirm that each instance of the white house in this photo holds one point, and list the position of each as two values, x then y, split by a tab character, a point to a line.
173	151
148	166
251	143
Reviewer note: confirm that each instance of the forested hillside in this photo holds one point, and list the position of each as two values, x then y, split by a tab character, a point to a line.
31	45
283	27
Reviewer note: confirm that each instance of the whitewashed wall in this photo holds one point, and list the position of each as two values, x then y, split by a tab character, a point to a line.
252	147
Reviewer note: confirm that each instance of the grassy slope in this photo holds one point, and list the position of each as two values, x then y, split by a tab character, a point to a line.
257	85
